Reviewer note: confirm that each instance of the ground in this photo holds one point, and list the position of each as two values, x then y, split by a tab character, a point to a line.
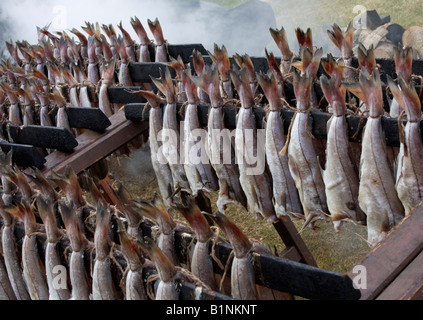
333	251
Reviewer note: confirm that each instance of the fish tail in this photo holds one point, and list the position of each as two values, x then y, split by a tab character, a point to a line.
70	219
372	90
153	99
165	268
404	62
126	36
406	95
129	246
334	93
167	79
281	40
270	88
46	211
273	64
366	58
192	213
302	90
189	86
333	68
69	184
238	239
139	30
101	235
156	30
198	62
305	39
343	41
222	60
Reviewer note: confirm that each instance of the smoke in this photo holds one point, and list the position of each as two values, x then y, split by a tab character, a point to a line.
244	29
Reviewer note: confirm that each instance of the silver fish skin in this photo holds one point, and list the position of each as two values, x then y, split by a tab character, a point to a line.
166	289
243	285
254	178
377	195
222	155
201	262
409	176
12	264
34	276
81	289
285	193
134	279
6	290
200	173
171	129
52	256
103	97
160	165
157	211
340	177
103	286
303	160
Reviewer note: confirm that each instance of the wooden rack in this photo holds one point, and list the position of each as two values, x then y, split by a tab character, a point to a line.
295	271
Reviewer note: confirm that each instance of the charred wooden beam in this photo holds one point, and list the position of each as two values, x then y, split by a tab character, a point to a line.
317	122
42	137
87	118
142	71
95	146
24	155
185	51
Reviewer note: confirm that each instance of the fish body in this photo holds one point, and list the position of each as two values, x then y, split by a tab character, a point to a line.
243	285
220	147
57	291
340	176
107	80
33	268
200	173
303	160
201	262
160	165
103	286
171	129
250	154
377	195
12	264
134	279
6	289
409	176
285	193
81	288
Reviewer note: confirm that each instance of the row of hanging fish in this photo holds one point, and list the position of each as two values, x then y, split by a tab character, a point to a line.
303	177
70	244
39	81
294	182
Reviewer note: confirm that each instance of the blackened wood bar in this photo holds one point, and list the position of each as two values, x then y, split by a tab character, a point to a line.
95	146
317	123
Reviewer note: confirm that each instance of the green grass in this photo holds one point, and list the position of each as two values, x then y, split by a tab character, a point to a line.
313	14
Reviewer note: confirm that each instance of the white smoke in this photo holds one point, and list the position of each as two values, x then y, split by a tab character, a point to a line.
240	29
